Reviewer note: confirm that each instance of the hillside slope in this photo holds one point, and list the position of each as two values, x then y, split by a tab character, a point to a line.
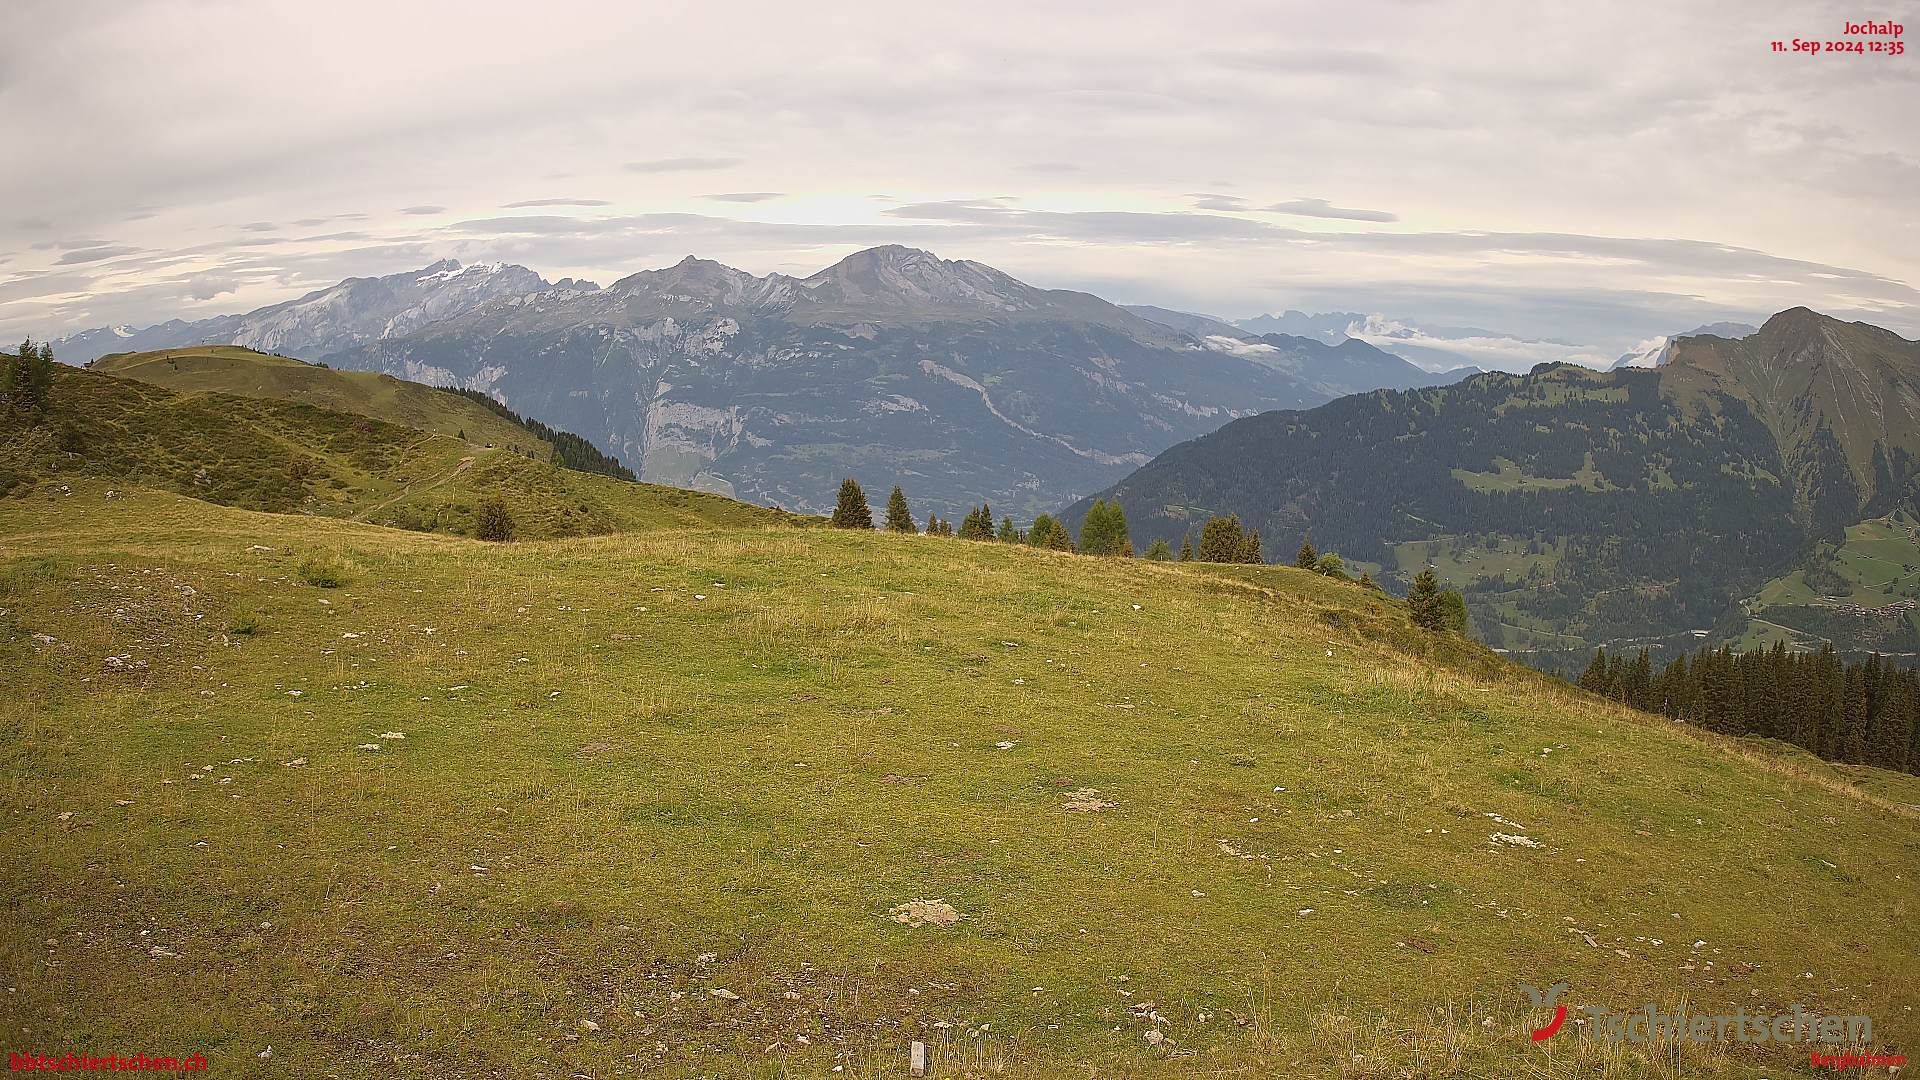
776	802
1578	507
228	369
290	457
1841	399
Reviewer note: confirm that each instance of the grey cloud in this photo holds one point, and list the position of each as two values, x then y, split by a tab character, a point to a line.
258	226
1321	208
208	286
532	203
96	254
681	164
746	196
423	210
1208	201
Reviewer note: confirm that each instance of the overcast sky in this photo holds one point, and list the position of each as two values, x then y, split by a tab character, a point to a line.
1594	173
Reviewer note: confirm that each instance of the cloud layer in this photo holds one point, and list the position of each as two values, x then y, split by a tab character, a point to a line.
1597	175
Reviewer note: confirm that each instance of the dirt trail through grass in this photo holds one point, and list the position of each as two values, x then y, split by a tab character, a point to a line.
414	486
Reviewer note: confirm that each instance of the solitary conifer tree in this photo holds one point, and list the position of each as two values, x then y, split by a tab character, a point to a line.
1221	539
851	511
899	518
977	525
1308	559
1250	548
1186	548
1423	601
1008	534
1104	532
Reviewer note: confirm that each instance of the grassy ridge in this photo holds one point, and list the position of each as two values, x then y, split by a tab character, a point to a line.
281	456
230	369
640	768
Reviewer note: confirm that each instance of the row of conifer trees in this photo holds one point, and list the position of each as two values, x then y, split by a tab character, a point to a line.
1865	713
1104	532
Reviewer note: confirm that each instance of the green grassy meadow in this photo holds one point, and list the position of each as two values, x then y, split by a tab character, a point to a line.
647	803
265	453
229	369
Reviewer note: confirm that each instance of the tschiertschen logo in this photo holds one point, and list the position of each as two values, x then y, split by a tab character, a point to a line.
1652	1023
1547	1000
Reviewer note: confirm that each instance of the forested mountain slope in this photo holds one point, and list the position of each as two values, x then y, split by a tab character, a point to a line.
1577	507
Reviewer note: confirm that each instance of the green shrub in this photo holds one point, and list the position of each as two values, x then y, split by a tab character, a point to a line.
243	620
494	521
324	571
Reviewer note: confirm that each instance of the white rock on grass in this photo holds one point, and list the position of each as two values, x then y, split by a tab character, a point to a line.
1515	840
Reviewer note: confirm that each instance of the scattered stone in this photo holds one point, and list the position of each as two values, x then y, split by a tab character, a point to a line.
917	913
723	994
369	746
589	1026
1087	799
1516	841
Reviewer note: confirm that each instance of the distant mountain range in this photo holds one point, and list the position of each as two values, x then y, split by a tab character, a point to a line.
1454	351
1655	351
951	378
1755	488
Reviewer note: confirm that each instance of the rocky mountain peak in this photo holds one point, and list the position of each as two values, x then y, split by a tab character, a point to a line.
893	275
706	282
